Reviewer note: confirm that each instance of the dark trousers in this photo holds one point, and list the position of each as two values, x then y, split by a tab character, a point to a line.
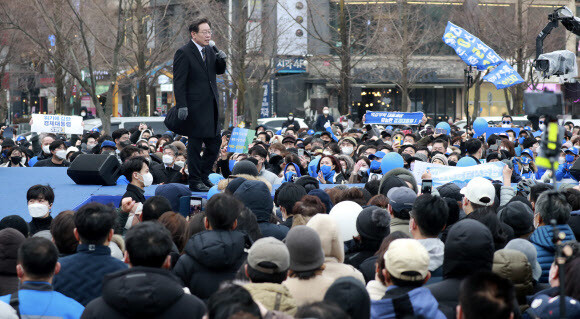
201	166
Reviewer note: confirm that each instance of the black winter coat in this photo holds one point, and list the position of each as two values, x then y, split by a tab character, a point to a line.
143	292
194	85
210	258
469	248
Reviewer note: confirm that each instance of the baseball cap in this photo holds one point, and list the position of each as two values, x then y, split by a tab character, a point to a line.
378	154
271	250
108	143
289	139
407	255
479	191
573	150
401	197
528	152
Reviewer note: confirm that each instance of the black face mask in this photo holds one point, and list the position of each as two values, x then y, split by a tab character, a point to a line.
125	143
452	163
15	159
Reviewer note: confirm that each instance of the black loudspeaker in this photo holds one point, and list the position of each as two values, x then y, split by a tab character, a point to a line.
95	169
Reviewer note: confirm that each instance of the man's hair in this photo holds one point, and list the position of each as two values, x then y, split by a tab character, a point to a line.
38	257
257	276
128	151
288	194
232	301
194	27
154	207
267	136
573	197
537	190
40	192
222	211
56	144
172	148
258	150
62	231
486	295
553	205
134	164
439	140
430	213
473	145
148	244
321	310
507	115
94	221
118	133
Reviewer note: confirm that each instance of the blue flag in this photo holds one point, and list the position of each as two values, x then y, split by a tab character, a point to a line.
469	48
503	76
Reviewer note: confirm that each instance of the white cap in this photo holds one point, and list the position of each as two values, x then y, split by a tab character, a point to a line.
72	149
479	191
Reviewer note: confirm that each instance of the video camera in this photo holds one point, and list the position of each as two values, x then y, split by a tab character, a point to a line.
563	62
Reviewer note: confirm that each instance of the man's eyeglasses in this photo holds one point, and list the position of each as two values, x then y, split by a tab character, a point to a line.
205	32
507	122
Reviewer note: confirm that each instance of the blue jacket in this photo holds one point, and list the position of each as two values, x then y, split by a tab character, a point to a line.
564	172
541	238
81	275
39	300
423	304
540	173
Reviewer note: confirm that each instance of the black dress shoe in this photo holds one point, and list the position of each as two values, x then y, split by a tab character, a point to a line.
198	187
206	182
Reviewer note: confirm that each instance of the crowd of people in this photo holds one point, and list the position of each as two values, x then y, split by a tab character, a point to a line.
273	241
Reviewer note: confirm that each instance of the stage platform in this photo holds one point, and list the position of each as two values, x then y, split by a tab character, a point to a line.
15	182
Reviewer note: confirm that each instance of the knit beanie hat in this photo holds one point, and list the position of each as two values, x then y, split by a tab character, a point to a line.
440	157
305	249
373	223
16	222
245	167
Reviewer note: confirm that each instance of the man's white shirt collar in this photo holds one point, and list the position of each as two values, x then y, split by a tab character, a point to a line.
199	47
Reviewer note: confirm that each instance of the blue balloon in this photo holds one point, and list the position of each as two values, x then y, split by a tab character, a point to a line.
214	178
480	125
391	161
212	191
389	127
444	125
466	161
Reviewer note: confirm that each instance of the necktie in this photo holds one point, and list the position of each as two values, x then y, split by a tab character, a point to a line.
203	55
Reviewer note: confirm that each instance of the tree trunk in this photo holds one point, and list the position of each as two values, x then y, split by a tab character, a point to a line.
59	73
254	101
476	95
345	66
108	111
508	102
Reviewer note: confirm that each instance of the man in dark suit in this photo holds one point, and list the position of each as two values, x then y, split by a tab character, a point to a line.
195	66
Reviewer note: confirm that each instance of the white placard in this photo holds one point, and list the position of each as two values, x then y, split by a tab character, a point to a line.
57	124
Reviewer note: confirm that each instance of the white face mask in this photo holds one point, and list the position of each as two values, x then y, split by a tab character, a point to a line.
430	148
327	152
326	112
61	154
37	210
23	161
180	163
347	150
147	179
506	125
46	149
561	160
91	146
83	114
167	159
542	127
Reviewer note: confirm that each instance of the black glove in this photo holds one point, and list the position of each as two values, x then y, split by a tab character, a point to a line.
182	113
222	55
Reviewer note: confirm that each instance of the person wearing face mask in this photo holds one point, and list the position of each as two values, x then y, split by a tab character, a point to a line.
563	171
45	141
290	121
529	169
39	199
108	147
121	139
330	171
291	172
323	119
58	159
375	165
15	158
347	146
542	123
88	145
167	172
507	121
136	170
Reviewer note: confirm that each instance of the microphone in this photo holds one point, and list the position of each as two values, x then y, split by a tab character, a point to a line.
212	45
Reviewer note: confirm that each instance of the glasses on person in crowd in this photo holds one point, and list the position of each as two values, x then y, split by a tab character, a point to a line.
208	32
